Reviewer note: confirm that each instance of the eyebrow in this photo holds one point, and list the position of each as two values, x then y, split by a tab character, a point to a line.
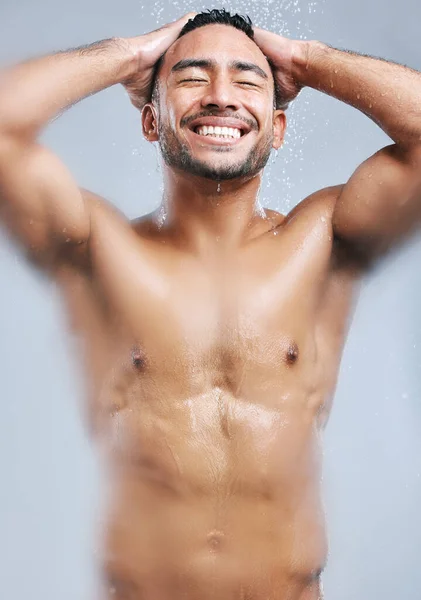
206	63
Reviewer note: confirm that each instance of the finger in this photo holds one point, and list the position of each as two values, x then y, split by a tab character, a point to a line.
184	20
167	35
261	35
262	39
178	24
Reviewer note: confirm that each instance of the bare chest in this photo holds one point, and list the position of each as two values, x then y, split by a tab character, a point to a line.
159	325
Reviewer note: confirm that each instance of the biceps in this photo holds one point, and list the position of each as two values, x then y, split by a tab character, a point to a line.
40	203
381	203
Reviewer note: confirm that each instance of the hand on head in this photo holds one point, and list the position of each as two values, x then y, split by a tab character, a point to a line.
281	53
147	50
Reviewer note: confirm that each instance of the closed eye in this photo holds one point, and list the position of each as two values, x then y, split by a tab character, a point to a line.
204	80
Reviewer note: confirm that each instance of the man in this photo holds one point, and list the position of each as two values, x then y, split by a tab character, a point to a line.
212	329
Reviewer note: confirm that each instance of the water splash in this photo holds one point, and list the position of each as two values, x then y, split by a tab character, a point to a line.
159	159
162	215
259	210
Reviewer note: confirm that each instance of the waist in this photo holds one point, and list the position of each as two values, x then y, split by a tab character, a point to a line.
224	581
229	541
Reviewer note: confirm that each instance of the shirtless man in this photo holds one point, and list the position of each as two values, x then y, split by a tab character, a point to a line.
212	329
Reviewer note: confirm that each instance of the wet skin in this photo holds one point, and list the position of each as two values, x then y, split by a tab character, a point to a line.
211	363
210	385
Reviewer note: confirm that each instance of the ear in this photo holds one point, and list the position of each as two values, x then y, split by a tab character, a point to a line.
279	126
150	122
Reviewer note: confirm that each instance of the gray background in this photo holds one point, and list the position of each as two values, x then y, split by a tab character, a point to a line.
50	479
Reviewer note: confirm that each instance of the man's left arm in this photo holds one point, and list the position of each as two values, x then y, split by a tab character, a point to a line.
381	202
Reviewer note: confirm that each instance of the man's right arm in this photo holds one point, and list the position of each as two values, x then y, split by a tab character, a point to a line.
40	203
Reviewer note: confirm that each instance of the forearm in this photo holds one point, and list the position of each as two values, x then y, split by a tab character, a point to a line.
34	92
386	92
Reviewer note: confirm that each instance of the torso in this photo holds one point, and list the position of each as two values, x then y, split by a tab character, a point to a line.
210	382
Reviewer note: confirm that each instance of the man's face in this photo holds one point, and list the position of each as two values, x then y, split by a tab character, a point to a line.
215	114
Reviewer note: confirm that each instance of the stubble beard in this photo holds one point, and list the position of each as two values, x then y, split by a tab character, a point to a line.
177	155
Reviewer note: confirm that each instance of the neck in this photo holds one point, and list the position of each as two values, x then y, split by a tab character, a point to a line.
201	213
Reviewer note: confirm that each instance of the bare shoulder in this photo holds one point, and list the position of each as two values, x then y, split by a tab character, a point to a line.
323	200
97	203
147	226
322	203
78	256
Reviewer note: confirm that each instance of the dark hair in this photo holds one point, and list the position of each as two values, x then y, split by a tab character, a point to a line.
219	17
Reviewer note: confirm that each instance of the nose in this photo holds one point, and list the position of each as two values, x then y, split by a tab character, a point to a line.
220	94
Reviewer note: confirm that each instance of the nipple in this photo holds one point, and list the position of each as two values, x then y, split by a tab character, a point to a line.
292	354
138	357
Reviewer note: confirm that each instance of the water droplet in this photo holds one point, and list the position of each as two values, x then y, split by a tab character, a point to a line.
218	189
162	216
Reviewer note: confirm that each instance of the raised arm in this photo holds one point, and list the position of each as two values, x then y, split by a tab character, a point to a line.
40	203
381	202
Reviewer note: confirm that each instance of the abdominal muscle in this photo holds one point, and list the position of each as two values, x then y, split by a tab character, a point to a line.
205	507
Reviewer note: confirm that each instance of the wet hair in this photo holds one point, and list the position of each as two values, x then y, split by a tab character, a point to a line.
219	17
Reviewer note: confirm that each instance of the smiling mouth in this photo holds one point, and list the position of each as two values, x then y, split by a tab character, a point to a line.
222	135
221	132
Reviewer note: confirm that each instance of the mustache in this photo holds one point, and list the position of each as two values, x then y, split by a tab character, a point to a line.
228	115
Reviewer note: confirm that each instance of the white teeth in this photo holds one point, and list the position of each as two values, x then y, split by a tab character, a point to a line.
224	132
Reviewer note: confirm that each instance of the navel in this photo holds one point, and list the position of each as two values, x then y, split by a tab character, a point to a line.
215	540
